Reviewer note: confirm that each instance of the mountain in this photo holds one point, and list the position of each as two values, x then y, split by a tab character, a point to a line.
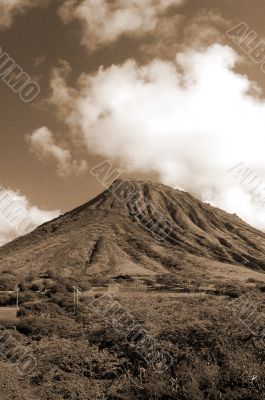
197	334
141	229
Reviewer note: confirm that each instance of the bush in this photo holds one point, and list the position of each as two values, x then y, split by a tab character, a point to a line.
35	287
232	291
7	282
36	326
261	288
26	296
122	278
97	281
7	299
253	280
169	280
57	288
63	300
50	274
43	309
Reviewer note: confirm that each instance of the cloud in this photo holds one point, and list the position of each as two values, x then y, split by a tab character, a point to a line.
43	144
39	60
18	216
104	22
189	121
175	33
204	29
10	8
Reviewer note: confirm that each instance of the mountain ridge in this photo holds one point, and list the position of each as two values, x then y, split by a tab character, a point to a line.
137	228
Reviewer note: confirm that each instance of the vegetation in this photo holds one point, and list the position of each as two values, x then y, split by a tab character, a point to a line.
81	354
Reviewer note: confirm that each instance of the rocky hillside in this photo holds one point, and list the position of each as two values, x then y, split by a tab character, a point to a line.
140	229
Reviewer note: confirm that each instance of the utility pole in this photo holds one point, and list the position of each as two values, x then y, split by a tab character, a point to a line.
78	292
17	290
75	297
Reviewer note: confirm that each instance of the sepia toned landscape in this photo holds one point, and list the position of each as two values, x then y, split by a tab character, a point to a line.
132	200
180	316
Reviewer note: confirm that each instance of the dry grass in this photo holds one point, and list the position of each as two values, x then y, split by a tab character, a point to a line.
8	314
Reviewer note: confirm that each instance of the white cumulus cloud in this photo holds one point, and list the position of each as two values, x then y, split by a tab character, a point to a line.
43	143
189	120
104	21
18	216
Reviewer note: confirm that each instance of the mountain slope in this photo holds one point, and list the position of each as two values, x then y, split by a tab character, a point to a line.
140	229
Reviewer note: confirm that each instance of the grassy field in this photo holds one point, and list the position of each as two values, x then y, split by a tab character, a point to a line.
112	347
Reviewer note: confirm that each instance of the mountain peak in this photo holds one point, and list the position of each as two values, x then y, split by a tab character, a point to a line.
139	228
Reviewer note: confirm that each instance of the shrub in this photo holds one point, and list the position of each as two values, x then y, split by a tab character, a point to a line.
232	291
26	296
261	288
63	300
168	280
50	274
43	309
36	326
122	278
7	282
35	287
7	299
253	280
97	281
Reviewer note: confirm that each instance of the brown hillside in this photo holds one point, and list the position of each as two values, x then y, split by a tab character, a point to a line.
140	229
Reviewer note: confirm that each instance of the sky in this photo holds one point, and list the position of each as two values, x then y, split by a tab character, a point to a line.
167	90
